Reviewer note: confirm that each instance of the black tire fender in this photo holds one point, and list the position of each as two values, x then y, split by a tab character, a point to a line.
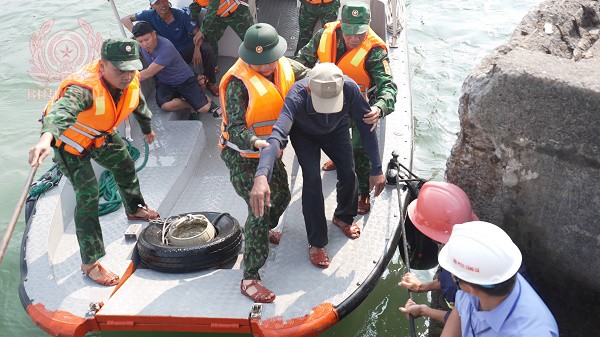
171	259
422	251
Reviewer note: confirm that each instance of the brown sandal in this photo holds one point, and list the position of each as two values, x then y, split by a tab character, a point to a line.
143	213
213	88
274	236
103	277
351	230
318	257
328	166
364	203
260	295
202	80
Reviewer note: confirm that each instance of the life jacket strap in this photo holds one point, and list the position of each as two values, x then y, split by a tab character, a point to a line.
91	130
235	147
71	143
81	132
261	124
230	5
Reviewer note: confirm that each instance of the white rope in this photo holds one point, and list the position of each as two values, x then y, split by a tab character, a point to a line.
167	224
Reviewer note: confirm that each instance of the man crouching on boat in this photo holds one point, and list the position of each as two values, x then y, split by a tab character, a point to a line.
316	115
80	124
252	94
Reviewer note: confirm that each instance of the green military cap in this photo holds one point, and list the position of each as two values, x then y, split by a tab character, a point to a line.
122	52
262	45
356	17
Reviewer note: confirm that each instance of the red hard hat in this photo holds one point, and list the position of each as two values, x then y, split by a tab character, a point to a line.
438	208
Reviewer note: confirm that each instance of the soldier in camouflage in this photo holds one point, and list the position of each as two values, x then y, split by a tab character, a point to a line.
260	53
382	94
214	25
311	12
118	66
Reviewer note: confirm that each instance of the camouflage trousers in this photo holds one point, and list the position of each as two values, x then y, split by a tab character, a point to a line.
256	230
362	163
310	15
114	157
214	27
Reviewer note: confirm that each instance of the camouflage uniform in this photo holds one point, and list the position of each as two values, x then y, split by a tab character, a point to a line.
310	15
195	10
242	171
113	156
213	27
384	97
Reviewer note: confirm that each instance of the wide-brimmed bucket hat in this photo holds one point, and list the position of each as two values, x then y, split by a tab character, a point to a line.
262	45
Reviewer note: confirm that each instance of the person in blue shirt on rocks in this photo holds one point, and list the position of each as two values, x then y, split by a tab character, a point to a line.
175	25
494	300
176	84
316	116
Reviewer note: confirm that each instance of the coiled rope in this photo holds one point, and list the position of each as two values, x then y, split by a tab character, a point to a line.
108	187
45	182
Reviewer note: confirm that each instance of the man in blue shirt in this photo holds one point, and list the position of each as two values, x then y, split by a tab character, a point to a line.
176	84
316	116
494	300
175	25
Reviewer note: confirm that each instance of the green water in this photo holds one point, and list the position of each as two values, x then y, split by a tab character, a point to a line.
447	39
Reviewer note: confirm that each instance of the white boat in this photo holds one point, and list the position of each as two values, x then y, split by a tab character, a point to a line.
185	173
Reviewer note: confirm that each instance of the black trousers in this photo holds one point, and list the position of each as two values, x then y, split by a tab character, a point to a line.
209	59
337	145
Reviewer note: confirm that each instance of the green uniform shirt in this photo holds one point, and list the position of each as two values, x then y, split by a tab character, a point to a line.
236	98
77	99
377	65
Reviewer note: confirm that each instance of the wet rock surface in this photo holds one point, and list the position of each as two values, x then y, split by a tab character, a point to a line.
528	153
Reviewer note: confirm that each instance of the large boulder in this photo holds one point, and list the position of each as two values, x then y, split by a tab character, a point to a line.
528	153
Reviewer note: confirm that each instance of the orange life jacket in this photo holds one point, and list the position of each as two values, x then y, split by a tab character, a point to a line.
102	117
226	7
265	100
316	2
352	62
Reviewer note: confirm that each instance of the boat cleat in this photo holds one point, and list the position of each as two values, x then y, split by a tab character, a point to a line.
94	308
256	312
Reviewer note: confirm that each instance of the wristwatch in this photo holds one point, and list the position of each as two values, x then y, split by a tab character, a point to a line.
380	113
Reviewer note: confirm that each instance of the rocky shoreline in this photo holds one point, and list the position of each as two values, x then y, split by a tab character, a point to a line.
528	153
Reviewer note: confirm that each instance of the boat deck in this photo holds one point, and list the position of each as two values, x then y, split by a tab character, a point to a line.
185	173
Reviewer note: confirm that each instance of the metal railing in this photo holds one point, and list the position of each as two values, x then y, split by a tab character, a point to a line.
395	20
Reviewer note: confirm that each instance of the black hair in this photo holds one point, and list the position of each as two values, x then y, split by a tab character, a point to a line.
497	290
141	28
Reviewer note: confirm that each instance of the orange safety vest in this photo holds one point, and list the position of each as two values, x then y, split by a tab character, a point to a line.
352	62
265	100
316	2
102	117
226	7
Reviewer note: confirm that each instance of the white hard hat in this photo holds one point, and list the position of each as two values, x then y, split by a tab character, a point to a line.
480	253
